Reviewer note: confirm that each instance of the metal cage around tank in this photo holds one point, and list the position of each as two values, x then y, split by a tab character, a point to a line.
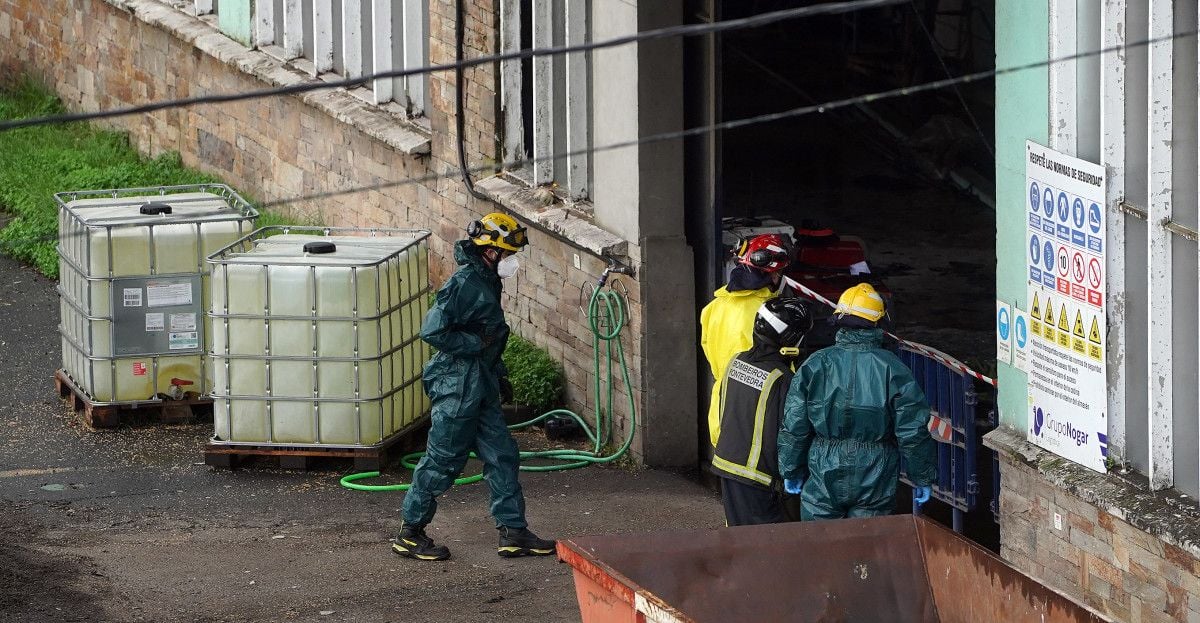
397	262
109	240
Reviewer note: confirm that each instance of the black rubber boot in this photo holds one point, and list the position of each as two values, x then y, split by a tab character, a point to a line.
412	542
516	542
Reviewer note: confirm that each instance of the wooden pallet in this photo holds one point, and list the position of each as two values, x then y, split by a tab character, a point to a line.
368	459
110	416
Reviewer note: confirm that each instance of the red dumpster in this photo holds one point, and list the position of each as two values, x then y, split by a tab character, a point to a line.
898	568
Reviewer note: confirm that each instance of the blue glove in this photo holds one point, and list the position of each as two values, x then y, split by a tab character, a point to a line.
793	486
921	493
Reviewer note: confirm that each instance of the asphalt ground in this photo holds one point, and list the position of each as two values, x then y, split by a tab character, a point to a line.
130	525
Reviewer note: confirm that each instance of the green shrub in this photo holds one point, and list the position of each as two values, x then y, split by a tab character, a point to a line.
536	378
37	162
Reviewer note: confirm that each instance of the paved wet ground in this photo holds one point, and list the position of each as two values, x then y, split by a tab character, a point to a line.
129	525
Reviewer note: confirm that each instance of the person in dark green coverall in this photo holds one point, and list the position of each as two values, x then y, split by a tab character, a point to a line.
853	409
465	381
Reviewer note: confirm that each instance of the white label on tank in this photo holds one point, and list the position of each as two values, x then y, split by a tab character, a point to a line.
132	297
168	294
187	340
183	322
154	322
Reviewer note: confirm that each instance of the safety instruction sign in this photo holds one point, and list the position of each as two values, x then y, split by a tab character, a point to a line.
1021	338
1004	331
1065	262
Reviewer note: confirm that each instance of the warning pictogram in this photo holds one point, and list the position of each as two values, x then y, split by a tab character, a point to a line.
1094	275
1035	310
1049	312
1078	329
1078	270
1064	328
1094	334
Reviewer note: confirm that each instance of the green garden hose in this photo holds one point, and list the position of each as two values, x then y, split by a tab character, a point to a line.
614	308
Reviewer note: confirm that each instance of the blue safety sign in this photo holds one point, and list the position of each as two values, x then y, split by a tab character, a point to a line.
1048	202
1002	323
1064	207
1035	197
1021	331
1035	249
1048	256
1077	213
1094	218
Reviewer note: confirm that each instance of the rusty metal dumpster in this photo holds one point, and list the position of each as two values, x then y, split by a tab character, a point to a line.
897	569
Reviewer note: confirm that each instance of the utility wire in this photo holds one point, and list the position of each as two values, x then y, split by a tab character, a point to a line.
749	121
733	123
686	30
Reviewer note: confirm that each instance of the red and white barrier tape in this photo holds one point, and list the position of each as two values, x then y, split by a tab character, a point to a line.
928	351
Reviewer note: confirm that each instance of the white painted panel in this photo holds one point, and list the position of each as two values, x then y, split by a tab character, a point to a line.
352	45
1159	265
381	48
578	114
1063	85
510	81
322	36
264	22
293	28
415	44
543	92
1112	131
1087	105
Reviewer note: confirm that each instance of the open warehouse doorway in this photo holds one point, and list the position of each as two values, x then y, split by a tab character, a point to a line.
909	180
911	177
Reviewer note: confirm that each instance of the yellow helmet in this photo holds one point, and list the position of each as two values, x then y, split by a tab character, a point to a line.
498	230
862	301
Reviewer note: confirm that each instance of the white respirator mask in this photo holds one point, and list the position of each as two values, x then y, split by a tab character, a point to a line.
507	267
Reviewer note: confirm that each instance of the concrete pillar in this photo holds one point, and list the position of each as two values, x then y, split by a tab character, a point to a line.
639	194
1022	112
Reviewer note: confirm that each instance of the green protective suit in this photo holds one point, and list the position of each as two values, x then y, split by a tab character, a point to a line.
466	325
852	410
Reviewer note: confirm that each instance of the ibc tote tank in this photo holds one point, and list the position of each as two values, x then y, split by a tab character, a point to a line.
133	285
316	336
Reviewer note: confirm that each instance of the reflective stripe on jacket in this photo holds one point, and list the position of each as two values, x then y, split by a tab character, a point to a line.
726	329
751	397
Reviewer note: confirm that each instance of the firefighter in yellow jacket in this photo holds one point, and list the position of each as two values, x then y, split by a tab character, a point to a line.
727	322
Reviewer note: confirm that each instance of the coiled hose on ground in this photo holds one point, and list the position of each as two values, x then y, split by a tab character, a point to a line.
607	304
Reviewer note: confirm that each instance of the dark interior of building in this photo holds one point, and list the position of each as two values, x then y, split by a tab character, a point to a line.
910	177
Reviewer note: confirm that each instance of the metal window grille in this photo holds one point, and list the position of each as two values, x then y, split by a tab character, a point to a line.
350	38
546	102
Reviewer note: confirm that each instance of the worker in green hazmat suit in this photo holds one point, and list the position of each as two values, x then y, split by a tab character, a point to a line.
852	410
465	381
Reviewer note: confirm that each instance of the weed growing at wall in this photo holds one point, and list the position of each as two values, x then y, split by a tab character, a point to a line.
37	162
536	378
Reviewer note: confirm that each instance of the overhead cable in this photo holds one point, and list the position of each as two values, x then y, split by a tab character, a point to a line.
685	30
732	124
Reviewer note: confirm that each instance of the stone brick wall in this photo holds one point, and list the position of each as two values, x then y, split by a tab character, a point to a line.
103	54
1098	556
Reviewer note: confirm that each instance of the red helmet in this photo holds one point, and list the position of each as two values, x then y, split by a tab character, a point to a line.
767	252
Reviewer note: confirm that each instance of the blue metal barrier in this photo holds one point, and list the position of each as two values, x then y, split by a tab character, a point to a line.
952	396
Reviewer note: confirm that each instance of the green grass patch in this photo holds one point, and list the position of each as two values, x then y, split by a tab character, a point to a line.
39	161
